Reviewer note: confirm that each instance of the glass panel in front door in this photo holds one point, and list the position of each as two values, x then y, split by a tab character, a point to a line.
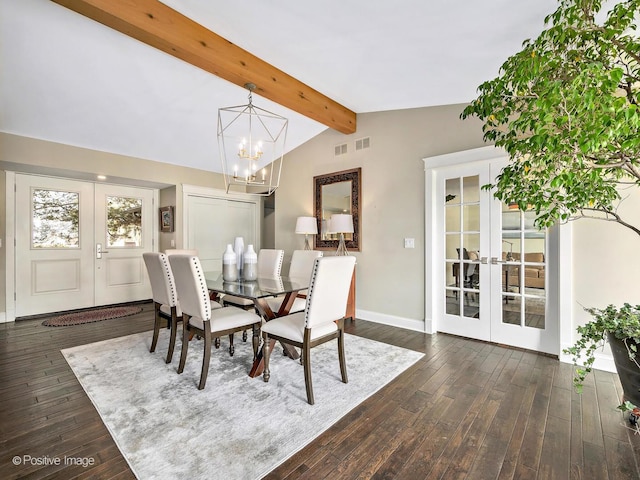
55	219
462	242
523	273
124	221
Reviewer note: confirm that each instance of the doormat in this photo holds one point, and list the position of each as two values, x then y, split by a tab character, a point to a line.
90	316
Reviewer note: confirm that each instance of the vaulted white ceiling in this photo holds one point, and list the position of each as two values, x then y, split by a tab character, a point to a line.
69	79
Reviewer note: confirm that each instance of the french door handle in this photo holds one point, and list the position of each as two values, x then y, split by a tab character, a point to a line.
483	260
495	261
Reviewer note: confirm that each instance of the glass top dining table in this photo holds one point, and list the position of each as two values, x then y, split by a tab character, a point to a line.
259	291
263	287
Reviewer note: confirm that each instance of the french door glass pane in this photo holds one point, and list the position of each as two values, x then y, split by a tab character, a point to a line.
534	308
471	218
452	244
462	242
452	191
55	219
452	218
471	304
471	189
512	309
452	302
124	222
523	278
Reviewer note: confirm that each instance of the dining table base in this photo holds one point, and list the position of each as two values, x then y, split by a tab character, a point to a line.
265	311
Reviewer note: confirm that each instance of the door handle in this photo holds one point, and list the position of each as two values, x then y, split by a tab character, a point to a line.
495	261
483	260
99	250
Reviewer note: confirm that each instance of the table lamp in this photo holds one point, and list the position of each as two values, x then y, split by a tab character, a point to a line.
307	225
342	223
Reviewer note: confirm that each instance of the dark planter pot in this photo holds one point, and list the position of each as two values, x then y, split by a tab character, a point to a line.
628	371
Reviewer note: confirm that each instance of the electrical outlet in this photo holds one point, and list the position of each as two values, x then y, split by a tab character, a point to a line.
409	243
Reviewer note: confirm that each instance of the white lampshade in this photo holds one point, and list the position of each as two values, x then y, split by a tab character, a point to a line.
307	225
342	223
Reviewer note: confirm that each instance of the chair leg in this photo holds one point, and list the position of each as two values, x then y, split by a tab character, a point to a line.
206	357
185	342
156	327
343	363
256	341
216	342
306	361
266	353
244	335
172	336
232	348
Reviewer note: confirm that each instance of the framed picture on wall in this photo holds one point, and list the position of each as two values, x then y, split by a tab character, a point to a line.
166	219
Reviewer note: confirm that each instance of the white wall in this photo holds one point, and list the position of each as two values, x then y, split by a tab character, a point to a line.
390	278
605	266
24	154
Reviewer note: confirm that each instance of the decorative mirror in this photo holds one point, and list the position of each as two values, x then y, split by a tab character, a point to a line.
337	193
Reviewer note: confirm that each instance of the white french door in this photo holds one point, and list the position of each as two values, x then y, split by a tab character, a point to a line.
490	265
466	278
79	245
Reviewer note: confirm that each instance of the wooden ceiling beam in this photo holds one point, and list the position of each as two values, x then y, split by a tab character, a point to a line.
161	27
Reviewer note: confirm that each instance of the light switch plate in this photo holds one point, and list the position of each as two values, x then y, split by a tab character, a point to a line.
409	243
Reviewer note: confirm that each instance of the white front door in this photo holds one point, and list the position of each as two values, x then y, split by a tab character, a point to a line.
490	265
60	225
123	232
54	245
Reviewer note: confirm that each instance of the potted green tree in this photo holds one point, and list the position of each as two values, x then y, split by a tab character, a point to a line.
565	109
620	326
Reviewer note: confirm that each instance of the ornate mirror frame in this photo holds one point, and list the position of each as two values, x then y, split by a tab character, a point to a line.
353	176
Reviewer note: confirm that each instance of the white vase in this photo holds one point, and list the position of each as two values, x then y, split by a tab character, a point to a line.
238	247
229	265
250	267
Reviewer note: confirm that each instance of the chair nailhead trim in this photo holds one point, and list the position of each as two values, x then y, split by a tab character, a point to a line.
173	297
203	288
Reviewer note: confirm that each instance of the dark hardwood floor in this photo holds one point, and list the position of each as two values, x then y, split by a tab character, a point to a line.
468	410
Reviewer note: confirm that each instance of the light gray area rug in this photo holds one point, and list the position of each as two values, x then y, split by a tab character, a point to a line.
237	427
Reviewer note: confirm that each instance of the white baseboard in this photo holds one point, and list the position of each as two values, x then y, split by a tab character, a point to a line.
3	317
604	361
392	320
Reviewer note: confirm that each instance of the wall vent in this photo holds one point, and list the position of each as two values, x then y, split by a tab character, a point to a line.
340	149
363	143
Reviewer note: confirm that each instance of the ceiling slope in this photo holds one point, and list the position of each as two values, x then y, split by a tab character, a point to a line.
163	28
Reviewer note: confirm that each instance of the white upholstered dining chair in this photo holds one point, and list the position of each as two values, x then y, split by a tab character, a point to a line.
321	321
301	267
200	319
165	298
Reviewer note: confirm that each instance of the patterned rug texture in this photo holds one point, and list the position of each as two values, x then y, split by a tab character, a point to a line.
237	428
90	316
